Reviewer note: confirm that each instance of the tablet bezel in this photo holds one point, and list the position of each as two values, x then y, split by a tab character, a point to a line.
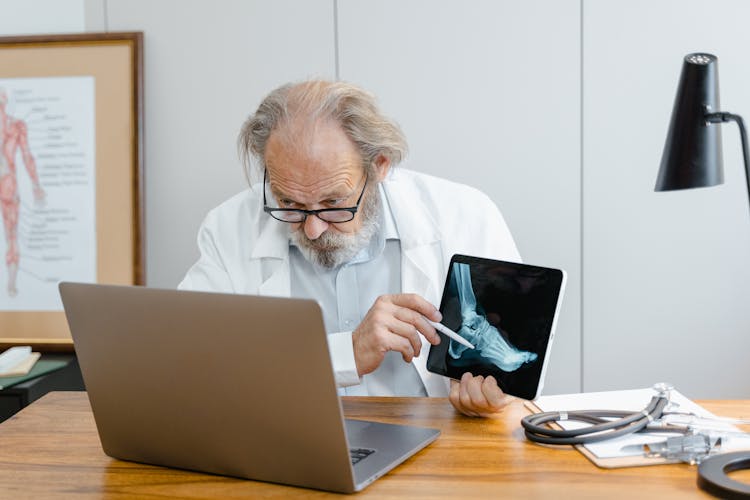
527	388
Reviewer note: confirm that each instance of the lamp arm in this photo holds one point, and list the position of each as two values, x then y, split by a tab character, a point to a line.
722	117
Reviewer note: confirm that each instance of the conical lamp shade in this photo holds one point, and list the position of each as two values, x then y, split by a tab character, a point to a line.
692	153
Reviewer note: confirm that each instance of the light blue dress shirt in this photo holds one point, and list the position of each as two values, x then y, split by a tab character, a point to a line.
345	294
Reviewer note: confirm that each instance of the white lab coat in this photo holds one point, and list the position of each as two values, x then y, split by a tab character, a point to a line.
243	250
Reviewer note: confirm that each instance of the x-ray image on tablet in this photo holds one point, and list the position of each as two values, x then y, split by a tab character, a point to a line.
508	312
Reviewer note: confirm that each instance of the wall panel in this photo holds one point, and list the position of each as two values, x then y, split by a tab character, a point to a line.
207	66
666	275
488	94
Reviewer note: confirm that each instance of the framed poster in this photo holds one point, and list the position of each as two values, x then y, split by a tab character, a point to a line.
71	175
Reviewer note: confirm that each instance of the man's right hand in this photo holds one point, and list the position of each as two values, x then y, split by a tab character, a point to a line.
393	323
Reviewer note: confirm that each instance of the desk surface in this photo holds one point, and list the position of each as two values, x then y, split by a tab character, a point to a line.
51	449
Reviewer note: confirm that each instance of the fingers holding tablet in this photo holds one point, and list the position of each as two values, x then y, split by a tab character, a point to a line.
508	312
477	396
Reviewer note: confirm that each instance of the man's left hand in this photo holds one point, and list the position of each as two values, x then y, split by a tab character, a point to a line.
477	396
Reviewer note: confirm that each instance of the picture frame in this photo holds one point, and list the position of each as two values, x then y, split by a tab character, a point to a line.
71	175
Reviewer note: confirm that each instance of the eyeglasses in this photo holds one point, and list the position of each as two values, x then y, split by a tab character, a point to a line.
333	215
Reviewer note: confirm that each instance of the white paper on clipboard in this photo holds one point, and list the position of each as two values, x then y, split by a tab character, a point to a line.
629	400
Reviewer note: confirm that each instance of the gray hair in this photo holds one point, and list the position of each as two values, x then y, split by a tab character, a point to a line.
309	102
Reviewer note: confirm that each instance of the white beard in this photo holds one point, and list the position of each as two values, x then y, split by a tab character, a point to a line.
332	249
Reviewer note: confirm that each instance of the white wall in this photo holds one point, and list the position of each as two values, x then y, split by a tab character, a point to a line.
556	108
666	275
469	82
207	66
24	17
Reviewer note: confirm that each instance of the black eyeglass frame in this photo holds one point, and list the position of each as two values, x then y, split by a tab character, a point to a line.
305	213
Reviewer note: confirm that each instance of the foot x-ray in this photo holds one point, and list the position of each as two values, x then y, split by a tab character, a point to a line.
507	311
488	340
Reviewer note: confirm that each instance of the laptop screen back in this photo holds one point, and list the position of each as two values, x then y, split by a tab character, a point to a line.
227	384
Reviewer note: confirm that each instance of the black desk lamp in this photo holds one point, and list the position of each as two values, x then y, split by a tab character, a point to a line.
692	153
692	158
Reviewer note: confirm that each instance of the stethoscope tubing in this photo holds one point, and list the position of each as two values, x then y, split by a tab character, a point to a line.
602	426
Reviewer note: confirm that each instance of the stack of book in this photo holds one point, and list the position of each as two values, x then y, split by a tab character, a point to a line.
16	363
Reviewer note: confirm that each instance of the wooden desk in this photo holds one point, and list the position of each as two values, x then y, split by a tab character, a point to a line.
51	449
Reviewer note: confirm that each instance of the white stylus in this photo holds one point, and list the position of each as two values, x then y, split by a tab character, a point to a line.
450	333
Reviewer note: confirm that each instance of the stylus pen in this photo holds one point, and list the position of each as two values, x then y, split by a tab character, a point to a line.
450	333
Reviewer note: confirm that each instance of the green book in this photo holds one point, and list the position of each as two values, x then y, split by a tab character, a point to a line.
40	368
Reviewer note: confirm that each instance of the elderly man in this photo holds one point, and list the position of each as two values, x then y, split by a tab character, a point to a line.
337	221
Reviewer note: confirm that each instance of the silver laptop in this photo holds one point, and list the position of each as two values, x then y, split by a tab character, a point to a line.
235	385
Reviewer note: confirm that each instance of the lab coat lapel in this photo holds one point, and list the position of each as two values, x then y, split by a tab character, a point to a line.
272	254
277	283
422	267
421	253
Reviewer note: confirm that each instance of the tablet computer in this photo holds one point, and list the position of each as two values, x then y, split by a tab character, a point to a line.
508	312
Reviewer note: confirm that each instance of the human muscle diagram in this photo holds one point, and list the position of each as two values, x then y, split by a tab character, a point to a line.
47	188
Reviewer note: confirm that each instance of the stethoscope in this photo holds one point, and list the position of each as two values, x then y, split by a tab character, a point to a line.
608	424
605	424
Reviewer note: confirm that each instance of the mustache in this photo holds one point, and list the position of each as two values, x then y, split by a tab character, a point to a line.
326	240
332	248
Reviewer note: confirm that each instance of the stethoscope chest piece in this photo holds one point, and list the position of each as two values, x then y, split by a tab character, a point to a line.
712	475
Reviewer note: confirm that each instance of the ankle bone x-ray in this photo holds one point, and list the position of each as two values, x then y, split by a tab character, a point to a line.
491	342
507	311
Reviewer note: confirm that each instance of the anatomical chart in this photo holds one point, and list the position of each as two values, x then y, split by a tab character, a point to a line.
47	189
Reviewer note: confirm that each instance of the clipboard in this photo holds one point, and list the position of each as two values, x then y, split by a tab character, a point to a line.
604	454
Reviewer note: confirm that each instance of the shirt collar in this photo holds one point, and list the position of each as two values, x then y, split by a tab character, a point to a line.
386	231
